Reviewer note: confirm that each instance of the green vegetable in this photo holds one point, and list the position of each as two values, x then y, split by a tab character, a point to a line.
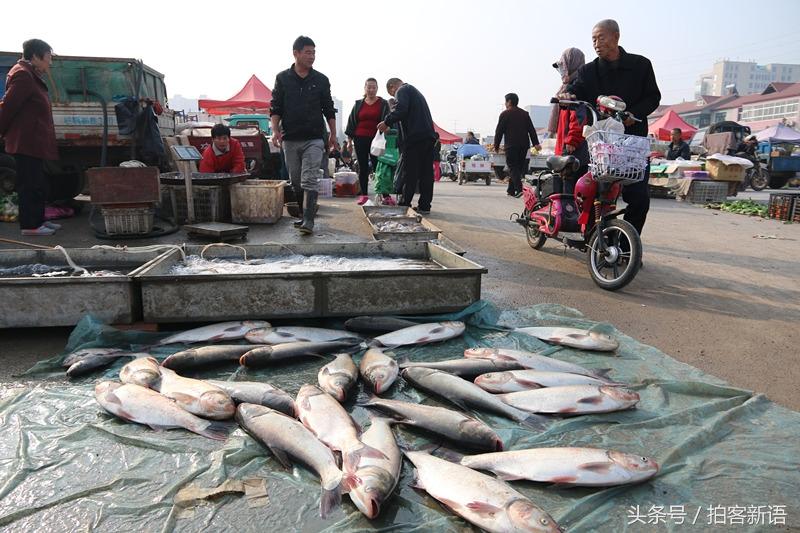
741	207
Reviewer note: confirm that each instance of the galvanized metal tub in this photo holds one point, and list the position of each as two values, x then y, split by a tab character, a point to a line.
389	211
63	301
217	297
431	233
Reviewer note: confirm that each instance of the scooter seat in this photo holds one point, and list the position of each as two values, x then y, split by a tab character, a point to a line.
559	163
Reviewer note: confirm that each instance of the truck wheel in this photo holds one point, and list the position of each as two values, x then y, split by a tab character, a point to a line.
488	180
777	182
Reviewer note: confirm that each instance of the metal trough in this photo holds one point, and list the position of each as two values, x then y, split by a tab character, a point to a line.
431	232
217	297
63	301
389	211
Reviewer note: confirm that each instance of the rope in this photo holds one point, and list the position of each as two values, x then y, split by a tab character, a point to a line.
70	262
143	249
207	246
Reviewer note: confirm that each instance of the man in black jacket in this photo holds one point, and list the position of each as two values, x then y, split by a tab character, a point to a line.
301	97
678	147
516	126
412	112
631	77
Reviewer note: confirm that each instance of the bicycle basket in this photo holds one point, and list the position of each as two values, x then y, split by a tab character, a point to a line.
618	157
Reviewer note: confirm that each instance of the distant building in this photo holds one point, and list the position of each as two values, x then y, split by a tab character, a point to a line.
180	103
339	125
540	115
748	77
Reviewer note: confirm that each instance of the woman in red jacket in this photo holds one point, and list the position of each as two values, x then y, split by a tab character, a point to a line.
567	124
26	126
362	125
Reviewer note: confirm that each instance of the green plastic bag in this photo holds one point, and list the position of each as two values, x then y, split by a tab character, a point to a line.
392	153
384	178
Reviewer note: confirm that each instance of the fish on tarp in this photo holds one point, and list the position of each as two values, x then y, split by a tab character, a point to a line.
376	478
338	376
466	394
465	367
378	370
377	324
421	334
144	371
73	357
278	353
90	363
286	334
257	392
533	361
327	419
454	425
135	403
286	437
488	503
574	338
579	467
216	332
572	399
206	356
196	396
520	380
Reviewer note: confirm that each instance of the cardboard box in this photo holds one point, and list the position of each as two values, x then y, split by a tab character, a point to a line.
719	171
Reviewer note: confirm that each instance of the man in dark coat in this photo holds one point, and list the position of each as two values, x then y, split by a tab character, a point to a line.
678	147
26	125
516	126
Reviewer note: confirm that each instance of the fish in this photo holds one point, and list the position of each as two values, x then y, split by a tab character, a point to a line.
572	399
206	356
376	478
135	403
466	394
73	357
198	397
327	419
377	324
284	437
465	367
454	425
215	332
421	334
277	353
574	338
338	376
89	363
578	467
259	393
520	380
142	371
282	335
533	361
378	369
488	503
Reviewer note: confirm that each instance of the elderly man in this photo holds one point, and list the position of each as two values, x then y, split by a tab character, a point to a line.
678	147
224	154
631	77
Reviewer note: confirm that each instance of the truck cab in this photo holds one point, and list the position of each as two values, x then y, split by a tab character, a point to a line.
251	121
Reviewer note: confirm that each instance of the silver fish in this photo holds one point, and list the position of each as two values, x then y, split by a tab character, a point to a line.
198	397
580	467
465	367
376	478
90	363
533	361
142	371
422	334
216	332
465	393
206	356
520	380
454	425
284	334
260	393
378	369
484	501
138	404
286	437
72	358
575	338
377	324
338	376
277	353
572	399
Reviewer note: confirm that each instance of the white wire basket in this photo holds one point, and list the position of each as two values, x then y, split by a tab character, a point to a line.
618	157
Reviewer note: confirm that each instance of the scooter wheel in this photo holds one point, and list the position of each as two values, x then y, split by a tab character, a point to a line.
534	236
618	267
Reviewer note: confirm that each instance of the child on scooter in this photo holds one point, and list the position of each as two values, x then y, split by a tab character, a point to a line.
568	123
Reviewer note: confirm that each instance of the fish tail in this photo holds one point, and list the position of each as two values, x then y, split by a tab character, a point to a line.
217	430
366	399
534	421
447	454
329	500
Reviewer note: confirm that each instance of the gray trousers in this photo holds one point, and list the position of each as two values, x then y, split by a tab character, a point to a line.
303	162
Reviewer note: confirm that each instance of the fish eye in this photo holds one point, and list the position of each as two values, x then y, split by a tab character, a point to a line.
544	521
644	459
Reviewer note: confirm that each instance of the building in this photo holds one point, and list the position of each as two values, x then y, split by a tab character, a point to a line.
181	103
746	76
339	124
540	115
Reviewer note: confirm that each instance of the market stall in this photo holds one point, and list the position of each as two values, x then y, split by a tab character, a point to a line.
662	128
254	97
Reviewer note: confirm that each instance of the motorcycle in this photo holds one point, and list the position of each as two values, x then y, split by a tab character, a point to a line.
588	219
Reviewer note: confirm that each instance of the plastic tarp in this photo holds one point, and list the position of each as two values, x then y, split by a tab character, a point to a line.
780	133
67	465
445	137
254	97
662	128
468	150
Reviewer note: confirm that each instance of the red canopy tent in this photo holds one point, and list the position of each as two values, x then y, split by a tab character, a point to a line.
445	137
662	128
254	97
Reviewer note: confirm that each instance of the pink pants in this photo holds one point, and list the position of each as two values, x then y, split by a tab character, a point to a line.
437	171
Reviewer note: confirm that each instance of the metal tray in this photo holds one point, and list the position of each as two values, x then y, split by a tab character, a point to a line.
389	211
218	297
431	234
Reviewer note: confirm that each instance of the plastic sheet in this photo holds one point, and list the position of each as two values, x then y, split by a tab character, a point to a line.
70	466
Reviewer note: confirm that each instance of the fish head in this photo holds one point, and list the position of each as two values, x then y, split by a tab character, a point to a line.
381	377
603	341
370	488
456	326
639	467
106	387
480	432
494	378
217	404
528	517
143	371
246	411
480	352
417	372
250	325
257	335
626	397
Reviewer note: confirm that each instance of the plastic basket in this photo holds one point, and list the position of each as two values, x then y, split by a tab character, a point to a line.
325	187
618	157
212	203
784	206
707	192
128	220
257	201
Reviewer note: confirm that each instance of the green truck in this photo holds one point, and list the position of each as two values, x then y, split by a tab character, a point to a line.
251	121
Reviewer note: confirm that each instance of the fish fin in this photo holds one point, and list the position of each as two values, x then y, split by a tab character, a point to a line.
447	454
113	398
508	477
592	400
353	457
218	430
598	468
281	456
528	383
437	329
181	397
534	421
562	482
404	360
416	483
285	334
232	328
483	508
156	427
349	482
325	371
329	500
365	399
577	336
601	373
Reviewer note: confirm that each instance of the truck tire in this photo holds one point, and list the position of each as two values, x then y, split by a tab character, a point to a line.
777	182
488	180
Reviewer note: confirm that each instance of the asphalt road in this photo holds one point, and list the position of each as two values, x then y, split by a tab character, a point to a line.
719	291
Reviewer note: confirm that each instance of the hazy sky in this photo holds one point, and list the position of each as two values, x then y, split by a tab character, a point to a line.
463	56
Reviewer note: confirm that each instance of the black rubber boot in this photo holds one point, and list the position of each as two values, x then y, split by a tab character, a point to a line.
307	227
298	193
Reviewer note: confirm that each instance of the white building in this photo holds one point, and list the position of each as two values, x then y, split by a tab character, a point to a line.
747	76
540	115
339	115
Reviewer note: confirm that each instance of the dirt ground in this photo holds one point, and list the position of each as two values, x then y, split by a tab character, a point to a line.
719	291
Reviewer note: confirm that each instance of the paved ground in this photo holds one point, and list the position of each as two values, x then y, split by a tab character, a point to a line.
714	293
